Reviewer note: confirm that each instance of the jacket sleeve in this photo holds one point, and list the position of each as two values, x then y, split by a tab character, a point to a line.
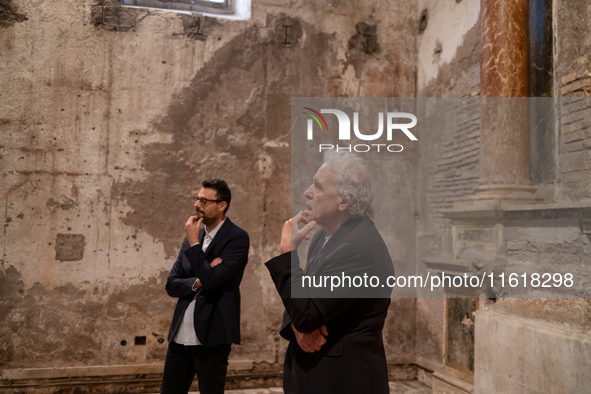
286	332
234	255
179	284
306	312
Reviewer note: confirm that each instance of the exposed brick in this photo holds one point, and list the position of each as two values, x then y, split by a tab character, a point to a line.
455	170
572	116
576	161
577	177
577	146
574	136
578	85
573	104
569	78
582	124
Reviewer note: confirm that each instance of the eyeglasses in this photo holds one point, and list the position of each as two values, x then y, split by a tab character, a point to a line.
204	201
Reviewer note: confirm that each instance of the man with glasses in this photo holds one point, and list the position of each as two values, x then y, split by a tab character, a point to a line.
205	278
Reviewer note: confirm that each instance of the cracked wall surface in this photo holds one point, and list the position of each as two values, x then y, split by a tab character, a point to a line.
112	117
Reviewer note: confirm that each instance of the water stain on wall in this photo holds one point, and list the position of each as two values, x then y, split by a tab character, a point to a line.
110	15
198	28
219	128
68	325
361	46
9	14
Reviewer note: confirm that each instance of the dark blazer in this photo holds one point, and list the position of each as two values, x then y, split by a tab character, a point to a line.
353	359
217	307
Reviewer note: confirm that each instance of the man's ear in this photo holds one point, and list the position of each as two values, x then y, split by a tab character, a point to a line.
222	206
345	203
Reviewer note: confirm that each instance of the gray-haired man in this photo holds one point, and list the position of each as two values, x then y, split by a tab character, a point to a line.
335	335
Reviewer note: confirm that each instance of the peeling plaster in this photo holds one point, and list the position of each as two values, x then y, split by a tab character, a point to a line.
448	23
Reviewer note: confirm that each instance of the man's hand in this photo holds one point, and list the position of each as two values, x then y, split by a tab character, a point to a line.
292	236
312	341
192	229
216	261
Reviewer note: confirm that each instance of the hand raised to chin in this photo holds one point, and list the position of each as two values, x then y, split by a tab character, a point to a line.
292	236
192	229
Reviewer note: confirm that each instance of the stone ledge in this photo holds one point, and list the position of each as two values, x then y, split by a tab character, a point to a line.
459	385
473	210
448	265
101	370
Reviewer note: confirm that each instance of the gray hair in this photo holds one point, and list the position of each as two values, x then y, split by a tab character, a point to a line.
352	178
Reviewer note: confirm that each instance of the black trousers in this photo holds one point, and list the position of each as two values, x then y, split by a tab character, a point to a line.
182	362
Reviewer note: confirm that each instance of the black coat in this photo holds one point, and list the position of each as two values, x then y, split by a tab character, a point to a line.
217	307
353	359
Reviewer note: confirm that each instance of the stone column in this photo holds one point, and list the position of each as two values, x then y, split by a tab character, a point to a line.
504	150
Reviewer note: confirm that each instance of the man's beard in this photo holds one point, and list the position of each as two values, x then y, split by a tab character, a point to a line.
206	219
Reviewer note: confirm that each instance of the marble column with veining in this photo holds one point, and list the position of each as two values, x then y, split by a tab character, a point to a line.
503	82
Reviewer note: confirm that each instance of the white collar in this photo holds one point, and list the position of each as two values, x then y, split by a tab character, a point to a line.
213	232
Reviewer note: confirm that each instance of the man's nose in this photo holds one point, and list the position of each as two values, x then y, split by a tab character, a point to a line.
308	192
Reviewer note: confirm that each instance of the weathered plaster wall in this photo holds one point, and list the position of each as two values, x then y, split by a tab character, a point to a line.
527	356
448	66
448	48
110	118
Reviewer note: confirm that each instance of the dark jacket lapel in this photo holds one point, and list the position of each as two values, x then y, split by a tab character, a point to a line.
201	235
349	225
319	247
221	234
316	244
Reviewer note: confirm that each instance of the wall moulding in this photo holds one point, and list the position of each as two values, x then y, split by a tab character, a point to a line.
511	212
140	375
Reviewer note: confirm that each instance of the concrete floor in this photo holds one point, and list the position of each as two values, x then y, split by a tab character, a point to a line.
401	387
